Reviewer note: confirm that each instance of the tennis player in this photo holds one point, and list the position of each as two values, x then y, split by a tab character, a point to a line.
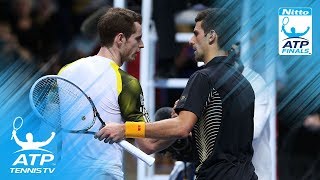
117	95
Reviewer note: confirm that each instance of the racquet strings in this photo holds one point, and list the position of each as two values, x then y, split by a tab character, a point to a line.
63	105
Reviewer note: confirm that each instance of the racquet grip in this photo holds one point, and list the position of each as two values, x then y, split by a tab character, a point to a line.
137	152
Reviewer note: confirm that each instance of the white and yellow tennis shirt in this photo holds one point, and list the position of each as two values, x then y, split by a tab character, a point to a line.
118	98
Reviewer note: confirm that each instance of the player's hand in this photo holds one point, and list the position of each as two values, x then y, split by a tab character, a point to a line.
53	133
112	132
173	113
14	132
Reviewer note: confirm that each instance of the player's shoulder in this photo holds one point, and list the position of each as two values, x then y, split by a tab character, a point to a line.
127	76
76	64
129	80
200	74
91	63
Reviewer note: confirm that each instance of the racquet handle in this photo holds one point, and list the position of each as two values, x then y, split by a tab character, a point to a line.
137	152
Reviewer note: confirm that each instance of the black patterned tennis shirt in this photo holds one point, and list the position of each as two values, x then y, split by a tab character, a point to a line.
223	101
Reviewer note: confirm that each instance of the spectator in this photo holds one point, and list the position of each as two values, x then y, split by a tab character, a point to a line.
23	25
299	155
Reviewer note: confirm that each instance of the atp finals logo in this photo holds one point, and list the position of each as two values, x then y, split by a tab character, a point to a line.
32	157
295	31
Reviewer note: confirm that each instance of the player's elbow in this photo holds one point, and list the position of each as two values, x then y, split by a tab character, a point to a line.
182	129
146	146
149	150
182	133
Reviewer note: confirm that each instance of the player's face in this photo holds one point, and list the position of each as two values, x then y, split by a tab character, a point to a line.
133	44
198	42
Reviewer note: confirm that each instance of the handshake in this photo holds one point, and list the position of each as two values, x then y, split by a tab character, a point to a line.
181	149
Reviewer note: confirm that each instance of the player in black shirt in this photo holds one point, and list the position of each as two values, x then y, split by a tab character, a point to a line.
217	106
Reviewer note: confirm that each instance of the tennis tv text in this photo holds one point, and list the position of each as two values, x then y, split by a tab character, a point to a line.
35	163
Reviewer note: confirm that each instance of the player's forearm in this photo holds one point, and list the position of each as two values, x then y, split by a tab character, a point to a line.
151	146
167	129
173	128
15	137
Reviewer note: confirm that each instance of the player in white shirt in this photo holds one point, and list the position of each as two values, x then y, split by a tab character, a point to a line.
116	94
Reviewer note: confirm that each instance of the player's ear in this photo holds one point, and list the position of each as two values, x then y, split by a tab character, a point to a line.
212	36
120	39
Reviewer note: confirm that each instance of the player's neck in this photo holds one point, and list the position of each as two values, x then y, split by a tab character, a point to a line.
110	54
215	52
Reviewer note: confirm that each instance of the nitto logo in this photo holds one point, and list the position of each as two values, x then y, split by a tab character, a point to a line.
31	162
290	11
295	31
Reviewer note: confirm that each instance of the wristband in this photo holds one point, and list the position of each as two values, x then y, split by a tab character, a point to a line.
135	129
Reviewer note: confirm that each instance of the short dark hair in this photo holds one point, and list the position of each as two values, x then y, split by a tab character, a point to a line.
114	21
163	113
222	22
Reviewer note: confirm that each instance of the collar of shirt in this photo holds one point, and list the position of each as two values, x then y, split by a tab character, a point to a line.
221	59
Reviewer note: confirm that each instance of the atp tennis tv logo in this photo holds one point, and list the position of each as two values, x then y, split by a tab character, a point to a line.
31	158
295	31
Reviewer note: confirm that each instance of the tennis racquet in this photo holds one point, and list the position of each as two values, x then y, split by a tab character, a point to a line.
17	124
285	21
64	106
